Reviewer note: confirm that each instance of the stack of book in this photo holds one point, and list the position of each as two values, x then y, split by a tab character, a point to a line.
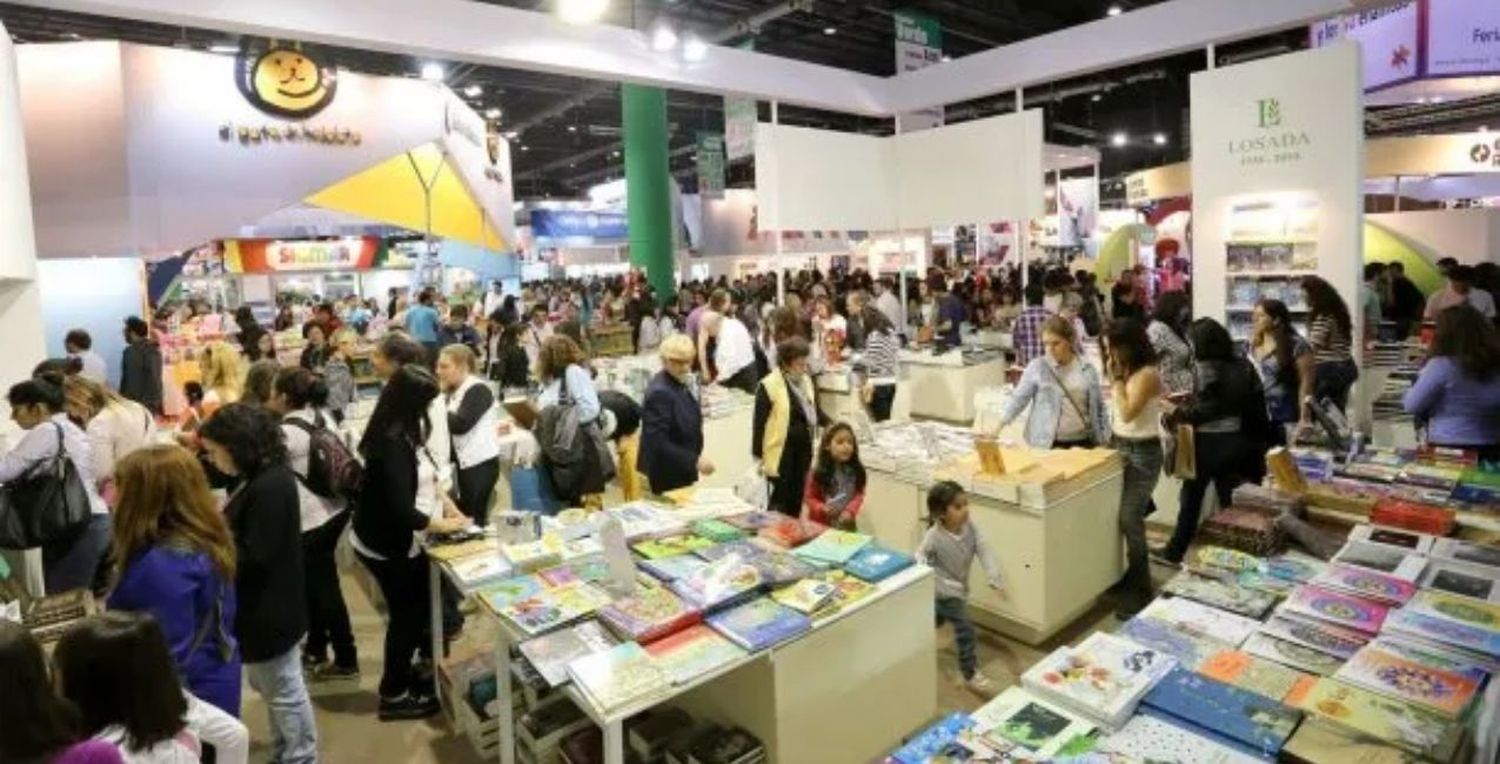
832	547
540	732
1220	593
49	617
616	677
1447	693
693	652
875	563
1424	518
1249	530
760	623
1018	723
719	584
1406	726
550	654
549	609
1230	715
651	613
1103	679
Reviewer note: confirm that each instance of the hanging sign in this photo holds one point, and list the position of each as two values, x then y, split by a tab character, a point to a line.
1463	37
277	256
284	80
740	116
711	165
573	224
919	44
1389	38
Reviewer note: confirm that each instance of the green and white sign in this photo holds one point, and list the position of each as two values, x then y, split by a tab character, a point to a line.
919	44
711	165
740	116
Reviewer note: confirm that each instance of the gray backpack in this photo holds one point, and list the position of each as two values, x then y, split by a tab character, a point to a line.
574	452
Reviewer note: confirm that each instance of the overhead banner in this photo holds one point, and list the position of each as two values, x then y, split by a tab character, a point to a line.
740	116
711	165
1457	154
1166	182
272	256
1463	37
575	224
919	44
1419	39
1389	38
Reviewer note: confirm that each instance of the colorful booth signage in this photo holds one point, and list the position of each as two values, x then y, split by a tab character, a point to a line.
569	224
275	256
284	80
1420	38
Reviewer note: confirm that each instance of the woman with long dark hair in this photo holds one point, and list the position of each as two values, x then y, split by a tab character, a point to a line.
1168	334
882	361
398	471
39	726
1458	392
1135	398
1285	363
1330	333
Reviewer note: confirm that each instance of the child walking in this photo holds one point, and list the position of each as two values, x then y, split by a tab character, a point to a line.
836	488
949	547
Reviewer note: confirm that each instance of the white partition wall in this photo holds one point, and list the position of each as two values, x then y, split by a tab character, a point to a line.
1278	158
810	179
20	307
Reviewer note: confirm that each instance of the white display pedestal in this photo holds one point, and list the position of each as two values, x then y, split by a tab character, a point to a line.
942	387
1056	554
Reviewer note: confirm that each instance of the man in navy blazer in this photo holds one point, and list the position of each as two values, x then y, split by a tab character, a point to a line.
672	422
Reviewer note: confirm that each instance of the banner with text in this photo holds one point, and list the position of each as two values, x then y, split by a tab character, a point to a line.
740	116
1388	36
711	165
919	44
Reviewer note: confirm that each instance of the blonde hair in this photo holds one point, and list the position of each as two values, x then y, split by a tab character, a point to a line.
85	398
463	355
677	346
222	368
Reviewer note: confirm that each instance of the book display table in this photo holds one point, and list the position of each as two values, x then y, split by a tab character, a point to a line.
1052	521
943	386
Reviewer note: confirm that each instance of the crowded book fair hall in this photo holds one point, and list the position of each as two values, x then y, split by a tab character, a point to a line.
749	381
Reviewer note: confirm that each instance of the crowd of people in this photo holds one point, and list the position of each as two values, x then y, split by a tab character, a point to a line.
199	585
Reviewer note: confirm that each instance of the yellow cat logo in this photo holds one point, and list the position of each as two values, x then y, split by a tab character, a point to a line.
284	80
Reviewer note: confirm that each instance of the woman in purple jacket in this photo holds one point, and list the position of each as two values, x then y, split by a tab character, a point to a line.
175	561
1458	392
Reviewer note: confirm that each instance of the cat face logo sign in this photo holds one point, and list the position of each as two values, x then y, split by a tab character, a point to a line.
284	80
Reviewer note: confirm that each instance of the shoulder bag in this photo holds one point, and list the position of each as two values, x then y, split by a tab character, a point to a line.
48	506
1088	421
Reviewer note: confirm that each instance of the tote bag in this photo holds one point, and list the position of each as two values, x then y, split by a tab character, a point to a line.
48	506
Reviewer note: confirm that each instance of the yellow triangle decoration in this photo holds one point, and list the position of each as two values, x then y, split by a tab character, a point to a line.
391	193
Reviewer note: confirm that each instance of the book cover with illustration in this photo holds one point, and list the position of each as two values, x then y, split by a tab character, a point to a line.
783	568
876	563
790	532
1293	567
651	613
1201	619
760	623
1382	558
847	590
1018	717
717	531
1337	641
550	654
929	742
618	676
1463	579
718	584
1434	689
551	608
479	569
1333	607
1292	654
503	593
1223	595
1189	647
693	652
833	547
671	546
1248	672
1387	590
673	568
1443	630
1439	656
805	596
534	555
1224	711
1462	610
1103	678
1401	724
752	522
746	549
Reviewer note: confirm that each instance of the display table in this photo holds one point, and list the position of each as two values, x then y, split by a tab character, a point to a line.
943	386
1052	523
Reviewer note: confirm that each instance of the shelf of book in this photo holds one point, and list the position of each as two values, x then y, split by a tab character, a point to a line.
1271	274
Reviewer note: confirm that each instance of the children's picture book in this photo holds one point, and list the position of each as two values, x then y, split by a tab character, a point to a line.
1443	630
790	532
1147	737
1369	584
1292	654
1382	558
1223	711
693	652
717	531
833	547
719	584
1463	579
1225	558
1021	718
782	568
1103	678
847	590
760	623
1411	541
1187	646
673	568
1443	692
927	743
1248	672
1220	594
1201	619
551	608
1401	724
1325	637
651	613
1462	610
550	654
805	596
745	548
501	594
752	522
1335	608
1438	656
1293	567
618	676
534	555
671	546
477	570
1466	551
876	563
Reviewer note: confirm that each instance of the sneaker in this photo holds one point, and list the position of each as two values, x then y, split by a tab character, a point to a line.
332	672
982	685
408	706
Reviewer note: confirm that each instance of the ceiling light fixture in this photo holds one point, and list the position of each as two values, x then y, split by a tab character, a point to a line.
664	38
511	135
694	49
525	148
572	128
1159	139
473	91
492	113
1114	10
1097	97
432	71
223	47
1118	140
830	31
581	11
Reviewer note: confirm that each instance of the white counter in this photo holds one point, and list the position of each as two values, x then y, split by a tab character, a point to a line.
943	387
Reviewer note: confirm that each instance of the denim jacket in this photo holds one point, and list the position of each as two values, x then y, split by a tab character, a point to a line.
1040	388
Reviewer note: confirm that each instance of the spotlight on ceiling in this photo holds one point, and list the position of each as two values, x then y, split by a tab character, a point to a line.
572	128
1159	139
664	38
830	31
581	11
511	135
1118	140
492	113
694	49
1097	97
432	71
473	91
525	148
1114	10
223	47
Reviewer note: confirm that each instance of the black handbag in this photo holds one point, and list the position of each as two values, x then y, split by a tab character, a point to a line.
48	506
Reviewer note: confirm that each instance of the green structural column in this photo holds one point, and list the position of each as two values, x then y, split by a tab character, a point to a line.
648	195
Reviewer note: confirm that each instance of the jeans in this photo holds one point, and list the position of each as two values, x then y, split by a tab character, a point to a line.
327	615
476	486
403	583
881	400
1143	459
952	610
70	566
279	682
1220	461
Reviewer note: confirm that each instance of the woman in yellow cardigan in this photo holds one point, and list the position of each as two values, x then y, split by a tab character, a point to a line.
786	414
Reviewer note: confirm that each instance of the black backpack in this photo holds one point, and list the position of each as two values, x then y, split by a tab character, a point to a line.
332	470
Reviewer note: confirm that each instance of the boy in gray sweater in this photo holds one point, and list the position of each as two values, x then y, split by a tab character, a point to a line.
949	548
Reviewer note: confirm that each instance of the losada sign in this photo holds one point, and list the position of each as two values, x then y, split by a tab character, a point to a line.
1274	143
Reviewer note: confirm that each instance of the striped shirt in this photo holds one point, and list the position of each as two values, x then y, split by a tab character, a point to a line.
1027	335
882	357
1329	342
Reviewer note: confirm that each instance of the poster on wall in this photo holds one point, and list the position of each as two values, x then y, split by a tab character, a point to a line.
1389	38
711	165
993	241
919	44
1463	37
740	116
1077	211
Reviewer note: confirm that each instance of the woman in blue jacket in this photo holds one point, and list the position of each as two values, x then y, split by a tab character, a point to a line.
1067	405
672	422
